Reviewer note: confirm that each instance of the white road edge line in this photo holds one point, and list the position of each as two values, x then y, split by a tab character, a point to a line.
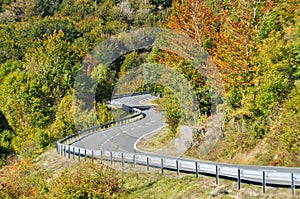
141	101
135	147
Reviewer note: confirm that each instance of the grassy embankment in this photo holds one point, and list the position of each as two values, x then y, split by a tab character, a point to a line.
50	176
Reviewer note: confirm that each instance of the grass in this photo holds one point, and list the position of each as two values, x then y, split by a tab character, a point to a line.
139	183
142	184
155	141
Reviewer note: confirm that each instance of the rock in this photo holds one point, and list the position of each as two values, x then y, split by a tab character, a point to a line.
214	193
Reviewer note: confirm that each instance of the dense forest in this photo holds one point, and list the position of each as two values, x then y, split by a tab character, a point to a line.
254	44
43	44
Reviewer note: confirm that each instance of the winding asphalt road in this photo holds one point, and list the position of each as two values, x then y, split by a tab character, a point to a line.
120	142
123	138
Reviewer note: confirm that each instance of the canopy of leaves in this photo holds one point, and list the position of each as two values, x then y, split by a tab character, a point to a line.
254	44
43	44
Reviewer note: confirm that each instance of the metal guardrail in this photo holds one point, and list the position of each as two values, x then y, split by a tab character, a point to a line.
262	177
129	94
137	115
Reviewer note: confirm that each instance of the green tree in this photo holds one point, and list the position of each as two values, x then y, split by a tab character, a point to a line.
6	136
274	79
289	128
24	110
53	63
10	67
131	61
78	9
172	111
104	113
12	41
63	124
106	79
46	7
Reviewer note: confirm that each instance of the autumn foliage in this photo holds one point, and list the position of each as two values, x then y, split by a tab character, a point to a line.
226	29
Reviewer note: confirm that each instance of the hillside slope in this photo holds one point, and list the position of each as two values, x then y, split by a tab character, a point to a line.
51	176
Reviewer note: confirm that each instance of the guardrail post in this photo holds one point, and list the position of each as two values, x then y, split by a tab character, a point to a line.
264	182
92	156
85	155
197	172
65	151
79	155
57	150
101	154
177	167
122	156
293	184
134	161
239	179
73	153
61	150
69	152
162	165
217	174
147	163
111	158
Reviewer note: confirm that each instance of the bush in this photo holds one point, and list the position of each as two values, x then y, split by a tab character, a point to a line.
25	179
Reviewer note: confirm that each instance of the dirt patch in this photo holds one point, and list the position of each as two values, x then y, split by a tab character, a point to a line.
53	162
162	142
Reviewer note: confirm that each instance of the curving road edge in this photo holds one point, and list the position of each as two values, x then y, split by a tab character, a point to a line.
117	140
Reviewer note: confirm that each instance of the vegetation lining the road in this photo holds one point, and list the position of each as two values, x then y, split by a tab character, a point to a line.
156	141
50	176
255	45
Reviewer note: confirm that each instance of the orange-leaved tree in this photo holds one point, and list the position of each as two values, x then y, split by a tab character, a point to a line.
227	29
